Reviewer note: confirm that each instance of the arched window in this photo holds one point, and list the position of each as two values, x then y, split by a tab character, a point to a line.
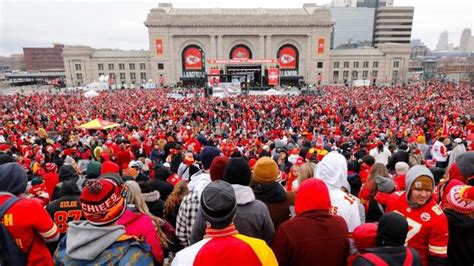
192	58
288	57
240	51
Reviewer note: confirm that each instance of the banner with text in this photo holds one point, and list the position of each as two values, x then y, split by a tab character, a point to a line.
273	76
321	45
214	80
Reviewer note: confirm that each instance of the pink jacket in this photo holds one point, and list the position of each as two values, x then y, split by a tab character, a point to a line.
142	226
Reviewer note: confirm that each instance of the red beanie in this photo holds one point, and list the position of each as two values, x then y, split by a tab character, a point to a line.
102	201
460	199
51	167
365	235
313	194
217	167
109	166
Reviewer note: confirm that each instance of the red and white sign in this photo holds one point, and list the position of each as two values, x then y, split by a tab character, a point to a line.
193	59
287	57
241	61
162	80
321	45
240	52
214	80
159	46
320	77
273	76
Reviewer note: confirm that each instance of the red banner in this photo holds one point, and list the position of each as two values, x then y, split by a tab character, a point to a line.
287	57
193	59
214	80
240	52
159	46
321	46
320	78
273	76
162	80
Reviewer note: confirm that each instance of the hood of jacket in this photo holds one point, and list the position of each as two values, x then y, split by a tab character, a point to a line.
413	174
69	188
152	196
67	172
244	194
199	181
333	170
273	192
86	241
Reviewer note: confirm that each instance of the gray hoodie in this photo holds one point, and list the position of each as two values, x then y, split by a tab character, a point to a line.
412	174
86	241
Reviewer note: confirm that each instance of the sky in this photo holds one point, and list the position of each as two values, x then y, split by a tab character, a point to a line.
119	24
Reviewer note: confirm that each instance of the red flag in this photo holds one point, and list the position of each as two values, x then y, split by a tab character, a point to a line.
445	126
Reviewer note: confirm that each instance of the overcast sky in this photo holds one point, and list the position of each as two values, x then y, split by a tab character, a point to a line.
119	24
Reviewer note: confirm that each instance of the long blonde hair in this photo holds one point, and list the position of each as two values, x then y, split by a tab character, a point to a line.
134	196
306	171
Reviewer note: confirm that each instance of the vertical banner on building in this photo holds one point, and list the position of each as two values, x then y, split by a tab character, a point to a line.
162	80
321	45
159	46
288	57
214	80
193	59
273	76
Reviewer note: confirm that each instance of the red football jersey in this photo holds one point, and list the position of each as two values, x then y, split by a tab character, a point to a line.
29	223
427	226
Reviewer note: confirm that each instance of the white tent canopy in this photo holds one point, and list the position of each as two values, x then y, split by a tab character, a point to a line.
91	94
272	92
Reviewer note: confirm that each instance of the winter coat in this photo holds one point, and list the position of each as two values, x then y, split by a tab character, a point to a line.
398	156
376	207
461	238
391	255
312	238
94	245
278	201
354	181
142	226
161	186
252	218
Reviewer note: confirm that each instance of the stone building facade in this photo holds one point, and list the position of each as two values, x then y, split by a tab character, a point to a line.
188	44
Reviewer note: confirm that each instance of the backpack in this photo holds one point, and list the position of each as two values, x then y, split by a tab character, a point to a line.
10	253
377	261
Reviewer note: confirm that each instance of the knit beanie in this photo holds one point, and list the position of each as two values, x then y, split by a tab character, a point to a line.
265	171
102	201
51	167
420	139
423	183
207	155
13	178
217	167
109	166
131	171
401	168
68	172
384	184
392	230
364	235
218	204
93	170
313	194
461	199
237	171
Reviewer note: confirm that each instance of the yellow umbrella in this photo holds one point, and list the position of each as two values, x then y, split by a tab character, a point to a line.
98	124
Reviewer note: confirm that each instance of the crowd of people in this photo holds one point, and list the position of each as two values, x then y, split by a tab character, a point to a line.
352	176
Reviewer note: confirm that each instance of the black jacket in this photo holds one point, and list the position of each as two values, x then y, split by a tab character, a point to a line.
398	156
393	256
461	238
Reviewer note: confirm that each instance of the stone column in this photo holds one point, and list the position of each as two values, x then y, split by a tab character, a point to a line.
220	47
261	47
213	53
268	48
